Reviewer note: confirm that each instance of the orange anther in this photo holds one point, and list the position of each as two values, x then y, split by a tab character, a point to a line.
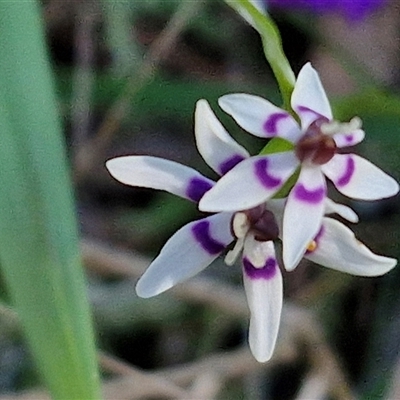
312	246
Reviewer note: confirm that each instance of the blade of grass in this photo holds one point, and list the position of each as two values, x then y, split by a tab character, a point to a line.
39	252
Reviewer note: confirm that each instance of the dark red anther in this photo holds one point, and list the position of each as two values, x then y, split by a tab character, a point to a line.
315	146
262	223
265	228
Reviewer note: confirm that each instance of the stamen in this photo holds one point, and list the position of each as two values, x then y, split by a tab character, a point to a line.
232	255
355	123
330	128
240	225
252	226
312	246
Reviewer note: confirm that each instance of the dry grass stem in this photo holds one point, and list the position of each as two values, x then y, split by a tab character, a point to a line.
300	332
83	79
91	152
394	392
315	386
298	324
140	385
205	386
110	262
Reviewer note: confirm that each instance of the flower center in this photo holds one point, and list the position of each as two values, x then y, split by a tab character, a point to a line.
257	221
316	146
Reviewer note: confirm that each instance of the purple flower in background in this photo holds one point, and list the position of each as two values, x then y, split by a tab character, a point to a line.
352	9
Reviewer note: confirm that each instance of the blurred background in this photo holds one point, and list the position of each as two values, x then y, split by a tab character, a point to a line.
128	75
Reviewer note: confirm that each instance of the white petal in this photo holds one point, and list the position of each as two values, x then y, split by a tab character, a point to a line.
264	294
309	99
303	215
358	178
250	183
157	173
260	117
191	249
345	212
277	207
215	145
349	139
337	248
259	4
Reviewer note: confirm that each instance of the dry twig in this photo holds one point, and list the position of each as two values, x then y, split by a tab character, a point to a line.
83	79
132	383
90	153
299	326
394	392
315	386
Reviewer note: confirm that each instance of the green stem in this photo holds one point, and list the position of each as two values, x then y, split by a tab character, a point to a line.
272	45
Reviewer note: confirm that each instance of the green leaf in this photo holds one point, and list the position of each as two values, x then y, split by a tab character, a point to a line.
39	250
371	102
277	145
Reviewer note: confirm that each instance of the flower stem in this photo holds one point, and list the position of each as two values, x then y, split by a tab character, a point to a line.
272	45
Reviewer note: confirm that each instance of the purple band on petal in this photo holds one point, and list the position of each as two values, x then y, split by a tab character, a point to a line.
309	196
268	271
315	115
201	232
228	164
349	138
261	171
303	109
196	188
348	173
271	124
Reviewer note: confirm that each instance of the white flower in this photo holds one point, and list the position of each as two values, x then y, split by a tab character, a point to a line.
193	247
317	140
334	247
